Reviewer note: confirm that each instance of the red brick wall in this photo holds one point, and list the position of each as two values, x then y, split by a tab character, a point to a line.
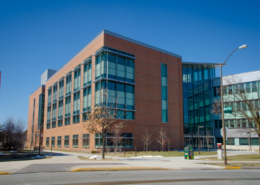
147	95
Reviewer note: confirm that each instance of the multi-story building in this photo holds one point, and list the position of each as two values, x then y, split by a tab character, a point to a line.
198	97
240	135
144	86
148	89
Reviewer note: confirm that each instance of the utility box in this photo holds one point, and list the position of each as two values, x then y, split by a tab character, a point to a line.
188	153
219	148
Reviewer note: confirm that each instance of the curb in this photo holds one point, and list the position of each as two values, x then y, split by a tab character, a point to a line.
117	169
5	173
232	168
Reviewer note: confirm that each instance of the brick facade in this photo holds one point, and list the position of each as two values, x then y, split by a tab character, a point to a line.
148	106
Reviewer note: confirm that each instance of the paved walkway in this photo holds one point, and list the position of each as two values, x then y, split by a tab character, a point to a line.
66	161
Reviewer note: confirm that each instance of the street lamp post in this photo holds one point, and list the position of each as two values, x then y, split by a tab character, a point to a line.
222	108
199	137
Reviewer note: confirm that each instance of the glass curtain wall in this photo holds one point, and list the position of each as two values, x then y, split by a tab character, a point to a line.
197	98
118	85
120	96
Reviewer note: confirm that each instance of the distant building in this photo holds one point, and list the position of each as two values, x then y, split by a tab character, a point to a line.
240	135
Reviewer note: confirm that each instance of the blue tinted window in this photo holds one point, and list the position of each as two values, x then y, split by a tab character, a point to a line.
164	92
130	63
129	88
112	85
164	116
97	86
112	58
130	115
121	60
98	59
120	87
164	70
120	114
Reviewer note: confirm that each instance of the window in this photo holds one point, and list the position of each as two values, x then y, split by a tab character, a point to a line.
41	111
66	141
127	140
76	119
60	110
53	124
67	121
232	125
230	92
248	87
60	123
55	93
76	103
67	106
48	125
244	123
85	116
54	111
224	90
254	141
47	141
86	99
77	79
111	66
61	89
53	141
244	106
98	141
230	141
68	84
85	142
120	114
75	141
59	141
243	141
120	95
254	86
164	93
87	73
235	87
49	114
119	67
49	96
241	88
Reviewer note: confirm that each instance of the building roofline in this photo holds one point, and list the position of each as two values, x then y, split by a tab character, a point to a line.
243	73
202	63
141	43
121	37
37	89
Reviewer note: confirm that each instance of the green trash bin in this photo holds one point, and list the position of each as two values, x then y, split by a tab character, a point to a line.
188	153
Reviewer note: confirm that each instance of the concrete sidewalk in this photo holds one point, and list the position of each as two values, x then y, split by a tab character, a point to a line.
67	161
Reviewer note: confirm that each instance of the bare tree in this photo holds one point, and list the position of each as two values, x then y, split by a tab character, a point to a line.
101	120
162	138
13	134
147	139
19	135
8	130
116	136
245	105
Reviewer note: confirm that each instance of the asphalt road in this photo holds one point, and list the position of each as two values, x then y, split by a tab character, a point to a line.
183	177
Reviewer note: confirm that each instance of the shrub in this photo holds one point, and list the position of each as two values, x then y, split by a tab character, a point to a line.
93	152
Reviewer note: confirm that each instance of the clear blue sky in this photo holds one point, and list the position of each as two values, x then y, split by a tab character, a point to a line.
36	35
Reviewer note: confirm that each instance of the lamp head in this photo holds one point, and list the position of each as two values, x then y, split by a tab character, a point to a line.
243	46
